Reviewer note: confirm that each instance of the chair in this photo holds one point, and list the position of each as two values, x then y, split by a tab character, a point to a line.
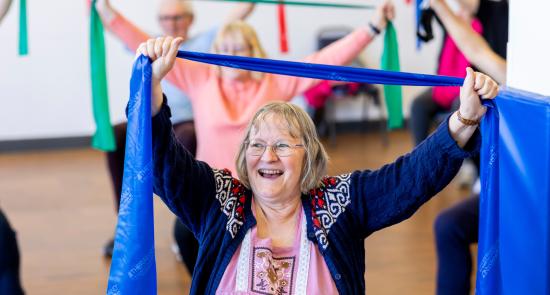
325	116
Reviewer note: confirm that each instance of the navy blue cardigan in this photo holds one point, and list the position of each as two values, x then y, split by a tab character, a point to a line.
340	213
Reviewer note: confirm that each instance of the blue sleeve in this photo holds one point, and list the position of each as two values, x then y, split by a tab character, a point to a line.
394	192
210	36
202	42
184	184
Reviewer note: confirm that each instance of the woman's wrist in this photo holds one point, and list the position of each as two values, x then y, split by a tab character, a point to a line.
156	97
468	120
374	29
472	113
459	131
380	23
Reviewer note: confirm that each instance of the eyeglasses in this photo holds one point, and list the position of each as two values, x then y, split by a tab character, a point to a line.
174	18
281	149
235	49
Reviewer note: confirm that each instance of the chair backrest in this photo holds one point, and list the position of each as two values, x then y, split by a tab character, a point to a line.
328	35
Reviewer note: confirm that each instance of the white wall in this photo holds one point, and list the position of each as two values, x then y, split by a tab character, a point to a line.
529	46
47	94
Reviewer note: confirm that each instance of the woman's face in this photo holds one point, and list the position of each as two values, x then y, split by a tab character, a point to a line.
175	19
272	176
234	44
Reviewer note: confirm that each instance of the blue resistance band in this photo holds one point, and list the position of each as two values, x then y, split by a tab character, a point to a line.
489	277
319	71
133	266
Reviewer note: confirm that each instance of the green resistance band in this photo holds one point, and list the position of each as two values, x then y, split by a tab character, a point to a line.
23	39
104	137
302	3
392	93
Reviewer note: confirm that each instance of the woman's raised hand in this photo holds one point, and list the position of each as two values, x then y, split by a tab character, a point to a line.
476	85
384	12
162	51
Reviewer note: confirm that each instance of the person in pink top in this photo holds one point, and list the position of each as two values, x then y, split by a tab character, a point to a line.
225	99
456	227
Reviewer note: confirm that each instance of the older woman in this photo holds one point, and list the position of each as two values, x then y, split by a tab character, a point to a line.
284	227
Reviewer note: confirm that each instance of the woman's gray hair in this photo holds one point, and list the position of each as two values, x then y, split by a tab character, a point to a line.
299	126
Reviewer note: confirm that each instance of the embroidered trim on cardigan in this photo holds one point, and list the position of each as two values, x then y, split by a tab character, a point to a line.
231	194
327	203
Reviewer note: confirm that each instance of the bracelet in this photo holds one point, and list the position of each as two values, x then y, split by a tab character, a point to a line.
374	29
465	121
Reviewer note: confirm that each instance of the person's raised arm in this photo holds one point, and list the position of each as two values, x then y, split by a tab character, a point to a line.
470	43
470	6
476	85
105	10
186	185
162	51
123	29
345	50
341	52
394	192
240	12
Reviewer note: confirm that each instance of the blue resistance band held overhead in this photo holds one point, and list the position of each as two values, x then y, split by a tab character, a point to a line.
133	267
319	71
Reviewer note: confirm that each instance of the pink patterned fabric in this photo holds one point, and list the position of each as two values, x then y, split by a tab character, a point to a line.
273	270
452	63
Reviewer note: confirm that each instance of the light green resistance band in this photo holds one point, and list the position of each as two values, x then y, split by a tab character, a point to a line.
392	93
104	137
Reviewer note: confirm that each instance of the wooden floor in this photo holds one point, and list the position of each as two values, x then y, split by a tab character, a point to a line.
60	204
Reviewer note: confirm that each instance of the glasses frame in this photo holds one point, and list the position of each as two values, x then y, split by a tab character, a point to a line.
273	147
174	18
